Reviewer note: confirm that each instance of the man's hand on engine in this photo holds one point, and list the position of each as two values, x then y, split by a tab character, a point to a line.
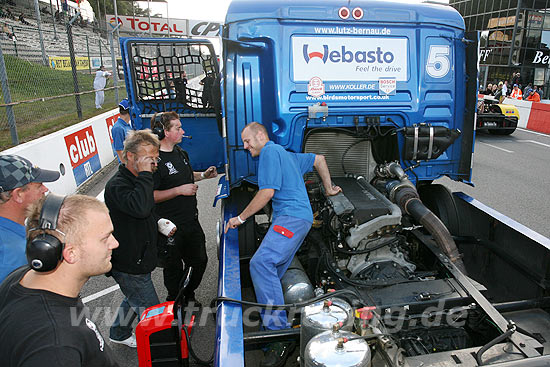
333	190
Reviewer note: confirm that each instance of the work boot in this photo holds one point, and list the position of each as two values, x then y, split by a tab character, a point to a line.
277	353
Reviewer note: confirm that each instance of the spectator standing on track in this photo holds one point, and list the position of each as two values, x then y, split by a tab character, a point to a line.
20	187
176	200
121	128
38	326
99	84
516	93
129	197
280	177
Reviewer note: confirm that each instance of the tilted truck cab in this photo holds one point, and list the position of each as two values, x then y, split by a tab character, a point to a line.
387	93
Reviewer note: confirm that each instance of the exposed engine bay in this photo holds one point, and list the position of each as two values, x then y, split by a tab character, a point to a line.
410	300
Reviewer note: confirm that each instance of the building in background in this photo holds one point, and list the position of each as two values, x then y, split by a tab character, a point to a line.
515	36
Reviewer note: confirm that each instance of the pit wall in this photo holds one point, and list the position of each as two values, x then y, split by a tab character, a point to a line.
77	152
533	116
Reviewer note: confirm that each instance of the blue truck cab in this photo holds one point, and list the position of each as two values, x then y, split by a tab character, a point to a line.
387	93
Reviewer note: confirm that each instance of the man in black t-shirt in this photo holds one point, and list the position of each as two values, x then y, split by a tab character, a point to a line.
42	319
175	198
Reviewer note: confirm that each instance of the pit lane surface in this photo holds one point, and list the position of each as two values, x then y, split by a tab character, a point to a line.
511	174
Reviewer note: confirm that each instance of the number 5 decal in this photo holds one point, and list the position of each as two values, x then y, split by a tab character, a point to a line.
438	64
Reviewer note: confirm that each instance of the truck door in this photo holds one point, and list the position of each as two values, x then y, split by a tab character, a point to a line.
180	75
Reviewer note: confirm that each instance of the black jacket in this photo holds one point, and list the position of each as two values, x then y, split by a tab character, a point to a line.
131	203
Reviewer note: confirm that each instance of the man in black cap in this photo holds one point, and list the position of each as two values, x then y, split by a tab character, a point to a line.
20	186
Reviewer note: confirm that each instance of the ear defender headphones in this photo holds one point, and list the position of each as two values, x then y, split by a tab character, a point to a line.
45	251
158	126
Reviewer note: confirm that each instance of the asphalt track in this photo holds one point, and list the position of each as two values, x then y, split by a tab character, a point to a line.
511	174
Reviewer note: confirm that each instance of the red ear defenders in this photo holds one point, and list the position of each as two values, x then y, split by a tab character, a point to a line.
45	251
158	127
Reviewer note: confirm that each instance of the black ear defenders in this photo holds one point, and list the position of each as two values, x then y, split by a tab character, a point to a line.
45	251
158	126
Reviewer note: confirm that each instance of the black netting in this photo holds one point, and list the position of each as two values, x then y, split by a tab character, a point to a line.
173	77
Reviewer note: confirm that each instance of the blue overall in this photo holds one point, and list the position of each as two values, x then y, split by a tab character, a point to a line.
283	172
119	131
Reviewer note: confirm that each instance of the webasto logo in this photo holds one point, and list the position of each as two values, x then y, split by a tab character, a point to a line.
343	55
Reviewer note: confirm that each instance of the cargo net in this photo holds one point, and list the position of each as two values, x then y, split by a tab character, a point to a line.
173	77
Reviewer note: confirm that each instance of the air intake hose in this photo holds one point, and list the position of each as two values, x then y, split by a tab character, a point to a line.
408	200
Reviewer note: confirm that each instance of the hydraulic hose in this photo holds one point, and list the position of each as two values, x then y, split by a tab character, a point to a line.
498	339
408	200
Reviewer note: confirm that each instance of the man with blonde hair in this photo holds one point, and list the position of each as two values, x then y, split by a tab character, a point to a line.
129	197
38	326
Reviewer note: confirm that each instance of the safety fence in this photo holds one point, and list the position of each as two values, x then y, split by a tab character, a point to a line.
47	75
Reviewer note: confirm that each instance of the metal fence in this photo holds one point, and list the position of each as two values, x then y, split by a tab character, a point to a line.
45	84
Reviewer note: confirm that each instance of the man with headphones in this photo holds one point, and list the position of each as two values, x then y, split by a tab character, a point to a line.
175	198
129	197
20	186
43	321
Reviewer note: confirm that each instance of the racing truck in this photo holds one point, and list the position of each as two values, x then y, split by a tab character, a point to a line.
396	270
496	118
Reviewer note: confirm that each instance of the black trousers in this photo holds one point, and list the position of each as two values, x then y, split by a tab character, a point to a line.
189	249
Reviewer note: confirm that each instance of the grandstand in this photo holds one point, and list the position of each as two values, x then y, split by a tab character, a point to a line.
27	44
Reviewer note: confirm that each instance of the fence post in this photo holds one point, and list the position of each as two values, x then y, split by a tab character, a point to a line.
7	99
53	21
73	64
38	22
89	59
113	62
100	53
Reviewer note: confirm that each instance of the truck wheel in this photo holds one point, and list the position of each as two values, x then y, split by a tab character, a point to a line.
440	200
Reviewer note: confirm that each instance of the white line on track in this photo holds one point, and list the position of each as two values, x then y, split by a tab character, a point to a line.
91	297
499	148
534	142
533	132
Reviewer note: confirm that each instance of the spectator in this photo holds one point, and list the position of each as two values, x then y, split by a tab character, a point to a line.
533	96
41	313
8	33
489	90
206	82
495	89
121	128
538	90
99	84
504	88
20	186
22	19
292	219
516	93
499	93
526	90
180	86
176	200
129	197
516	78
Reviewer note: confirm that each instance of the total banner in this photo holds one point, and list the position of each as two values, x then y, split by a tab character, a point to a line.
166	26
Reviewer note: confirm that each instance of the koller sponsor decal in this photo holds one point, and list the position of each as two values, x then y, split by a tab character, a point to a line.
316	88
82	151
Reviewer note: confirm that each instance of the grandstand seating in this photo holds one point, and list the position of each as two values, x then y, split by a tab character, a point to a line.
27	45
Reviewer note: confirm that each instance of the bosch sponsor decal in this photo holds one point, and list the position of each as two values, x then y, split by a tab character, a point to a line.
387	86
349	58
110	121
82	150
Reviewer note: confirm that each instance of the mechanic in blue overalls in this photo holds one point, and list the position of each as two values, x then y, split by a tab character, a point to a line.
280	179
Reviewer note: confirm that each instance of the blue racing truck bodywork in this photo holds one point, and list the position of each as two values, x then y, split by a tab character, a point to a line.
387	93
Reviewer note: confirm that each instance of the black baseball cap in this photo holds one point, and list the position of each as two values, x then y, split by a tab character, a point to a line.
16	171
